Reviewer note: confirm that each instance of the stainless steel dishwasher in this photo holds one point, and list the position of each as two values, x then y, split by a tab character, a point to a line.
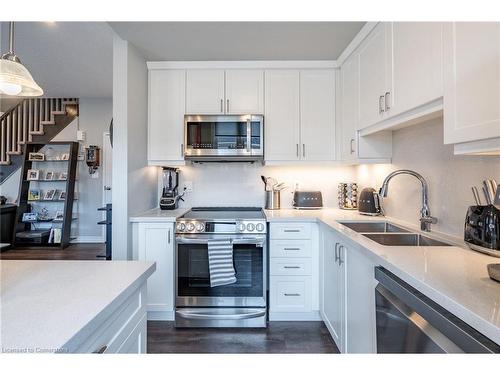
410	322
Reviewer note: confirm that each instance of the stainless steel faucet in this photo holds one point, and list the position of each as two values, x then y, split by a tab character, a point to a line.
425	213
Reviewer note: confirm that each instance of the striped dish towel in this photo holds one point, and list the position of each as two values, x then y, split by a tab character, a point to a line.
220	262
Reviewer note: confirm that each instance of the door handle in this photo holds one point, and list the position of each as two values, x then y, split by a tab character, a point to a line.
291	294
387	98
303	150
222	106
340	255
182	149
101	350
291	267
227	106
381	104
336	252
107	187
291	248
352	148
297	150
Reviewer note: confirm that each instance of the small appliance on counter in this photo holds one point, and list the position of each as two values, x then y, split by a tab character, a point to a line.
482	222
369	202
307	200
170	195
348	196
273	192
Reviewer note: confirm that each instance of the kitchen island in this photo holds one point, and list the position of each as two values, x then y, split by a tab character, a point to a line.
73	306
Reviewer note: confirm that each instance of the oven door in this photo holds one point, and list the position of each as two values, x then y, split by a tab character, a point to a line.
193	278
223	137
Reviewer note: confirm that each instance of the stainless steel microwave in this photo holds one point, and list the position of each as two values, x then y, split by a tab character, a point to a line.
224	138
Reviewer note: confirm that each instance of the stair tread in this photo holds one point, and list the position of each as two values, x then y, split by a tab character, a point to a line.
14	152
5	162
47	122
37	132
58	112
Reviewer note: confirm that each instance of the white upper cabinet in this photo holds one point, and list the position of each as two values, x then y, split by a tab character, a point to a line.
471	81
417	68
205	91
282	122
349	74
166	115
374	76
244	91
317	114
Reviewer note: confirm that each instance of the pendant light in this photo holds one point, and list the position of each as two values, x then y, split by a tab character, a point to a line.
15	79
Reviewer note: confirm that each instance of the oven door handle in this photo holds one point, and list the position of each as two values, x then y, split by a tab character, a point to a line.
259	242
199	315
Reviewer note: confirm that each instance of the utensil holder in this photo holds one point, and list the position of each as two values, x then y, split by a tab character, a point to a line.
273	200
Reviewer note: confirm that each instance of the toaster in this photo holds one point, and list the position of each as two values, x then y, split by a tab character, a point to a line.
369	202
482	229
307	200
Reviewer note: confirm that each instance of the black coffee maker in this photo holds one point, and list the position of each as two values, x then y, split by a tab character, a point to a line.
170	194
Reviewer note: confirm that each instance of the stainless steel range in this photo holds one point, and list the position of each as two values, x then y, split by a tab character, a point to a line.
240	304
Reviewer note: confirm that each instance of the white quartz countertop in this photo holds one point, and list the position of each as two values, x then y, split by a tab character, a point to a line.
159	215
45	303
453	276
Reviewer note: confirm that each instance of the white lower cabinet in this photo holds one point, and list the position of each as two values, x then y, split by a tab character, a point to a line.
347	293
332	277
293	271
156	243
360	283
124	331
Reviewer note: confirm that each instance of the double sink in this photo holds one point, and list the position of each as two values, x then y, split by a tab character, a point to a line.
388	234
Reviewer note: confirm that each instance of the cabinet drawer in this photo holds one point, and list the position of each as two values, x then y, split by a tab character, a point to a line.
290	267
290	231
113	332
290	248
290	293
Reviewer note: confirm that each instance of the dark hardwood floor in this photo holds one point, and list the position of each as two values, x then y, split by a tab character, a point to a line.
85	251
278	337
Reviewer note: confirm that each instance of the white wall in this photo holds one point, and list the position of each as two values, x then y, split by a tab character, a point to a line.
239	184
450	177
134	183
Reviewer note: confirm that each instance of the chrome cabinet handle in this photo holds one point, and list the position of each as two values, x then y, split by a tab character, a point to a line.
340	255
222	106
168	236
336	252
182	149
291	230
297	150
291	267
227	106
387	98
352	148
107	187
304	150
291	294
101	350
381	104
292	248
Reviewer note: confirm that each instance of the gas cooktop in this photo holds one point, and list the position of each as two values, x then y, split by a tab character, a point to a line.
222	220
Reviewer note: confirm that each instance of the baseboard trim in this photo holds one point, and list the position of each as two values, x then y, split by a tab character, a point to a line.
88	239
294	316
161	315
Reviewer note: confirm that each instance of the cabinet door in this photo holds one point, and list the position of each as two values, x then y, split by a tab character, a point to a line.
333	288
244	91
360	284
417	68
166	115
205	91
373	76
317	114
471	81
282	115
349	74
156	245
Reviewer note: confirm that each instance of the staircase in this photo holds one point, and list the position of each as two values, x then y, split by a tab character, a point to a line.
31	120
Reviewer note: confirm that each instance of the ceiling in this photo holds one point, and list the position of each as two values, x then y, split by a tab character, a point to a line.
67	59
193	41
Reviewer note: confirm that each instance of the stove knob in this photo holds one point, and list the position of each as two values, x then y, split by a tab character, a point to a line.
190	227
181	227
241	227
259	227
200	227
250	227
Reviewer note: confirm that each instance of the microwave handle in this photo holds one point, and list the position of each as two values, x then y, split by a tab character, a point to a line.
249	135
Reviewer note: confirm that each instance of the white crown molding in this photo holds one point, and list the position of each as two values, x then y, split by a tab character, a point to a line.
246	64
360	36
